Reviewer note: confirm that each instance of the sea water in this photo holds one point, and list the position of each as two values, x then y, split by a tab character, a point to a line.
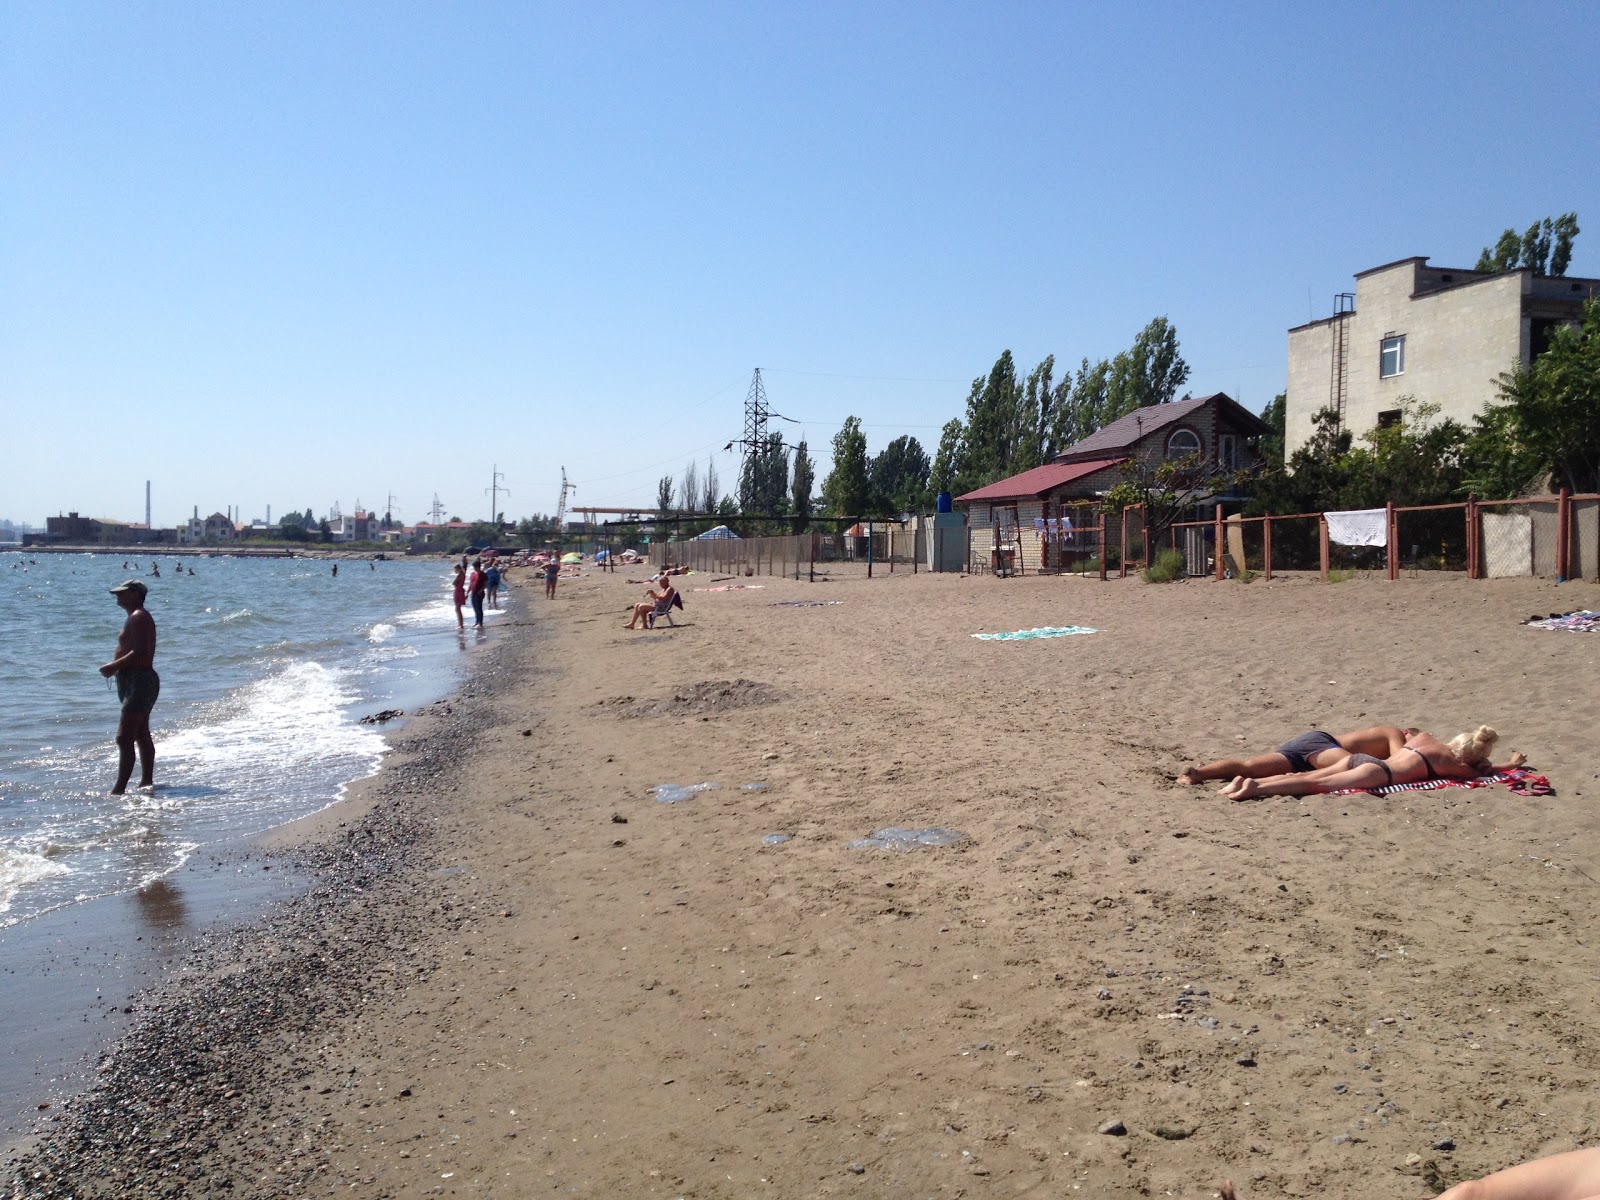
267	667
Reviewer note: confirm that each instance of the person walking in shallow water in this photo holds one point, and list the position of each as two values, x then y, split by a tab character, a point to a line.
458	592
477	585
138	685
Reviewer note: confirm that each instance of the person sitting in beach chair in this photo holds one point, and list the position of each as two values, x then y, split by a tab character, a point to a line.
1420	758
658	605
1307	752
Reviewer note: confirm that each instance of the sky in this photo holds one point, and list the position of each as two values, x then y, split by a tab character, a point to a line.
305	254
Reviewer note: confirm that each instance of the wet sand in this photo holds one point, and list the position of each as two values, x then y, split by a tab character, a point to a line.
516	972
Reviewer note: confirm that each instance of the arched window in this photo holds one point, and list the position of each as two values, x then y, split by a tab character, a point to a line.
1182	442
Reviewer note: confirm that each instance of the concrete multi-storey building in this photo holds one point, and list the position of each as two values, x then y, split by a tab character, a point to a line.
1438	335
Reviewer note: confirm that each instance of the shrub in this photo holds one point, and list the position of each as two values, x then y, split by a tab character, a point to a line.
1169	565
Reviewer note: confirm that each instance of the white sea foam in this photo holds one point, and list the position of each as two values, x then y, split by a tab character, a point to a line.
18	868
381	632
441	613
292	717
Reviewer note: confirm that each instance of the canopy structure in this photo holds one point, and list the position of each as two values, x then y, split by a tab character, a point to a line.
721	531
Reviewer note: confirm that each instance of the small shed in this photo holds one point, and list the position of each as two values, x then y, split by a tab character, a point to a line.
1035	519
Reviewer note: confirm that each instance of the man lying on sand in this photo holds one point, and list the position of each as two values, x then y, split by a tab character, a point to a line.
1307	752
1421	756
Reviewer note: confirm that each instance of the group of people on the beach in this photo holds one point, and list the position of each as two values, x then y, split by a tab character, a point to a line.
1315	762
480	579
481	586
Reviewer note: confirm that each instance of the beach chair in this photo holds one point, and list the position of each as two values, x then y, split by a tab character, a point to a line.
664	609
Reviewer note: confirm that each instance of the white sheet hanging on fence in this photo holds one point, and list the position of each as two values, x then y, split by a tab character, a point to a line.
1053	529
1359	527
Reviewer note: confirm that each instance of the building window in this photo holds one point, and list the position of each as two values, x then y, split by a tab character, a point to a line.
1182	442
1392	358
1389	418
1228	451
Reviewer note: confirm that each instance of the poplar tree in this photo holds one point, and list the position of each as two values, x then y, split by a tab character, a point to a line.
847	490
1545	248
805	469
946	473
689	489
899	477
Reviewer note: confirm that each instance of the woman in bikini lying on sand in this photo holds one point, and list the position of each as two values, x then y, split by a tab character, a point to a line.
1307	752
1421	756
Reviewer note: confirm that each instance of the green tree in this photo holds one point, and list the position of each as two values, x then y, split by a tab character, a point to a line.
993	424
689	489
847	490
1150	372
1048	406
764	481
1417	460
710	492
324	531
483	533
1550	411
1545	247
1091	401
899	477
292	529
948	460
805	472
664	494
1169	488
1276	414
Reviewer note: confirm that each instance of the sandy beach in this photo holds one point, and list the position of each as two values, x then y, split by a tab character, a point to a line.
518	973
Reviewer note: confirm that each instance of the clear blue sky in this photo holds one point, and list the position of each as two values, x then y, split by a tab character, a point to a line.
289	254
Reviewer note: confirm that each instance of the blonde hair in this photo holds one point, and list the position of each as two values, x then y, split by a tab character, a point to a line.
1473	748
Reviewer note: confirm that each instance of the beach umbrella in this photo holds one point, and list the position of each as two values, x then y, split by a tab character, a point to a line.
572	557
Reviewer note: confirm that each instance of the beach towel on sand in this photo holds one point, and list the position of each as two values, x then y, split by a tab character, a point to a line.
1520	780
1580	621
1023	635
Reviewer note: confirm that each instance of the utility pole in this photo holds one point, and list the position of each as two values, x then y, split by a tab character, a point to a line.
388	512
494	489
437	510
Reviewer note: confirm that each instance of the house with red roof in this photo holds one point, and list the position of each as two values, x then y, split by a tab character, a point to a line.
1038	520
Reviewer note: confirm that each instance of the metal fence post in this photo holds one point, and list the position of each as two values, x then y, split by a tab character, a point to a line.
1266	548
1391	527
1322	543
1473	549
1564	535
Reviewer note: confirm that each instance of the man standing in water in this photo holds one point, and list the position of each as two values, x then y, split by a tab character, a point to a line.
137	686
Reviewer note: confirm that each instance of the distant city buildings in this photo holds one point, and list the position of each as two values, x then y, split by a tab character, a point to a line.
222	529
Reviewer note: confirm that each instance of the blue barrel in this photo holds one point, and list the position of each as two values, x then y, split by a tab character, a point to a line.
944	502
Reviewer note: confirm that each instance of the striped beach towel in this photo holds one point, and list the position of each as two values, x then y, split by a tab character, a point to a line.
1520	780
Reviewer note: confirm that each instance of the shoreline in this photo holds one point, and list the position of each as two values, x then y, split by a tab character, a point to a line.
230	914
521	971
